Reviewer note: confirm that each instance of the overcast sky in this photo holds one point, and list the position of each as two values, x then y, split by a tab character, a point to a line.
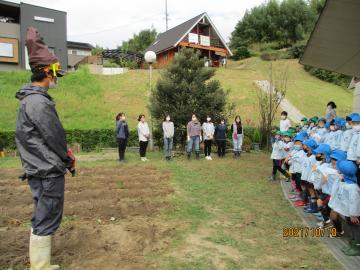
109	22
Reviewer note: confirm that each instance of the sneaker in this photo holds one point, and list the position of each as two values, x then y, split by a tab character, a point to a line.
295	199
338	234
299	204
324	224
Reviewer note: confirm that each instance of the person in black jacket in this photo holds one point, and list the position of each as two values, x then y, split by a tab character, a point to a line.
2	152
122	135
220	136
41	142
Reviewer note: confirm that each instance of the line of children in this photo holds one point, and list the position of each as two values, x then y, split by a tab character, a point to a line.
323	159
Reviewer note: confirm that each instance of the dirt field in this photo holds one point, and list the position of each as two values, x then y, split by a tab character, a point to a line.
110	219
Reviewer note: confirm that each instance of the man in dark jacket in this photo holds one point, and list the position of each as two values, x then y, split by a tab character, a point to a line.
41	142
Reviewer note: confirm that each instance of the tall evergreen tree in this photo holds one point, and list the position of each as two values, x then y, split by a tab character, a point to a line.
186	87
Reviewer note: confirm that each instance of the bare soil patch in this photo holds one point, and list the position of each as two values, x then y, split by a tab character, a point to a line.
111	218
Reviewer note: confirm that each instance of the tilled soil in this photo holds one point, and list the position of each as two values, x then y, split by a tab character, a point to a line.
111	219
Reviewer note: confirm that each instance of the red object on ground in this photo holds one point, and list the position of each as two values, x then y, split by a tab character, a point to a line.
299	203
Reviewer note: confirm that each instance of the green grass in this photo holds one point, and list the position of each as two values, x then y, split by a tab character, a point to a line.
227	215
88	101
236	207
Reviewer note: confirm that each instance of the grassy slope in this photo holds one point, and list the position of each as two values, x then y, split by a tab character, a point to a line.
228	216
88	101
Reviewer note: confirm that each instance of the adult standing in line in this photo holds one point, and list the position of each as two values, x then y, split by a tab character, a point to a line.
208	135
144	136
122	135
193	136
220	136
237	135
2	150
41	142
168	129
330	111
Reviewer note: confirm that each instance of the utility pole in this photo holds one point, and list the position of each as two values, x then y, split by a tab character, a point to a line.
166	15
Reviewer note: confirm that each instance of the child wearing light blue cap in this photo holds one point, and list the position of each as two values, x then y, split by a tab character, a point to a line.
295	161
320	131
353	152
307	164
347	133
330	180
334	136
277	155
345	200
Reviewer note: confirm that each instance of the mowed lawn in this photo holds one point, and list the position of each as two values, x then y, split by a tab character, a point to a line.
88	101
227	216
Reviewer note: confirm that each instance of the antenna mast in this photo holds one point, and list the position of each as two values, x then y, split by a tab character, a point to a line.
166	15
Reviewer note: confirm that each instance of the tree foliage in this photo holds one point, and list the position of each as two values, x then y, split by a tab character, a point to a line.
139	42
186	87
284	22
97	50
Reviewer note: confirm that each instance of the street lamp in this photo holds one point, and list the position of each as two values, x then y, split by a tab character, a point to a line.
150	58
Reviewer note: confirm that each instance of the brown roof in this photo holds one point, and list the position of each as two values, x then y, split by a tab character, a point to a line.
173	36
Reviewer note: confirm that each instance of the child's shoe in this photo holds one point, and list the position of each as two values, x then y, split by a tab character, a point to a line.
300	204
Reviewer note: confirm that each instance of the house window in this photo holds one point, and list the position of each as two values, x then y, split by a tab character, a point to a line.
73	52
165	56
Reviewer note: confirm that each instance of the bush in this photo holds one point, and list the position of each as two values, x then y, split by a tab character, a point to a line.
93	139
297	50
88	139
256	136
128	64
110	65
241	53
270	55
329	76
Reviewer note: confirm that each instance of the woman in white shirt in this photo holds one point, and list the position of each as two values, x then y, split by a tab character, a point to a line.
144	136
285	123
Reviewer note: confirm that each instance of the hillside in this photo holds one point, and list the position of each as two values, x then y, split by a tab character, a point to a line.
88	101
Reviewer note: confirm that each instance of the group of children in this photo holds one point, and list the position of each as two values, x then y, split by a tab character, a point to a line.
322	160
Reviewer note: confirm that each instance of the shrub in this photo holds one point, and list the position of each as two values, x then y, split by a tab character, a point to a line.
297	50
247	143
241	53
256	136
110	65
93	139
329	76
270	55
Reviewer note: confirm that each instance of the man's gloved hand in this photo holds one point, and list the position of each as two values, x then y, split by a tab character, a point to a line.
71	162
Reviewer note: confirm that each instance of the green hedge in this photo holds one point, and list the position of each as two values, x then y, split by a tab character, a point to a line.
102	138
329	76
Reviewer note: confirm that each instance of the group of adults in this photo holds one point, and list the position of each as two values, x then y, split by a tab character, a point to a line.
207	132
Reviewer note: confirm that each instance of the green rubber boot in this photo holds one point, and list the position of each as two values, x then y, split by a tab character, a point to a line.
354	250
351	243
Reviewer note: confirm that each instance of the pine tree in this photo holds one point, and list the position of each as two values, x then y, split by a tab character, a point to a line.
185	87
